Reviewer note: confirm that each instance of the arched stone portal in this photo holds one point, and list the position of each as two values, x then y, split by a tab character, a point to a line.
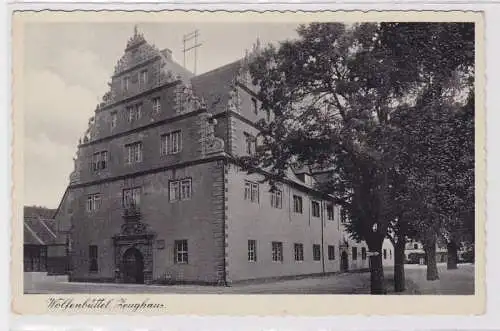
134	250
133	266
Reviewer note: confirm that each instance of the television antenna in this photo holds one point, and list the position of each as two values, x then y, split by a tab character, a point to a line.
192	40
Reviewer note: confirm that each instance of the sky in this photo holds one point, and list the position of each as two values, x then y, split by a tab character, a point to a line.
66	70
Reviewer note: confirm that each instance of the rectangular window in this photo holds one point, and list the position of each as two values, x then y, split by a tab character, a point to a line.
251	191
143	78
250	143
180	189
134	153
125	83
297	204
93	267
298	252
329	212
134	112
131	196
93	201
99	161
255	106
171	143
315	209
331	252
114	119
316	252
354	253
277	251
156	105
252	251
277	199
385	254
363	253
181	251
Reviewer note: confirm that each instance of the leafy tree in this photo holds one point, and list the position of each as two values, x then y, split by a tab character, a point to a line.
331	94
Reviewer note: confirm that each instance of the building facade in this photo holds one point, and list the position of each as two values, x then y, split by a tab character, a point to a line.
156	195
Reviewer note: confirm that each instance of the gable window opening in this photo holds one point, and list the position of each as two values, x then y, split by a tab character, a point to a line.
251	191
93	202
181	251
131	197
316	252
277	251
298	252
93	266
315	209
134	153
252	251
143	78
100	161
297	204
114	119
134	112
125	83
156	105
180	189
331	252
277	199
255	106
171	143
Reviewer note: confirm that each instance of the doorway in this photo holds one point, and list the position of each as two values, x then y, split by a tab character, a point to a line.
133	266
344	262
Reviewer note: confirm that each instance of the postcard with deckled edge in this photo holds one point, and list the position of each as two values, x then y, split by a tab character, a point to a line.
248	163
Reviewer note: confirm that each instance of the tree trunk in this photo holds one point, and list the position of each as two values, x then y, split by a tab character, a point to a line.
430	254
377	283
452	258
399	266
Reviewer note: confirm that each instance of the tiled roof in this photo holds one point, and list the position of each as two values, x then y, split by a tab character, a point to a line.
214	86
39	226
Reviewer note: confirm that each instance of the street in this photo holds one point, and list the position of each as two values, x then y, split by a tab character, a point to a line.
457	282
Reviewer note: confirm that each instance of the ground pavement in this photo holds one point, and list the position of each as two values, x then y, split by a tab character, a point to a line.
460	281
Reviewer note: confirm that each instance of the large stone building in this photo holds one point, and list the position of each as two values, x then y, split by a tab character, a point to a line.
156	196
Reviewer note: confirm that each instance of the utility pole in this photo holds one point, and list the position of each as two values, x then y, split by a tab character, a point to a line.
187	38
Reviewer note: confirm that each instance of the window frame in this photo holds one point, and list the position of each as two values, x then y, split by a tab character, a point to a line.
134	152
298	252
315	208
167	143
277	199
252	250
277	251
354	253
114	119
363	254
176	189
298	202
93	259
156	104
251	191
316	252
183	252
131	194
331	252
93	202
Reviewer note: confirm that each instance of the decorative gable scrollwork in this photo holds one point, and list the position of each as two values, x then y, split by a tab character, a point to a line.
234	102
185	100
210	143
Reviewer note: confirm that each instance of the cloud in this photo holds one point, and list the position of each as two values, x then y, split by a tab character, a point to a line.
55	117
